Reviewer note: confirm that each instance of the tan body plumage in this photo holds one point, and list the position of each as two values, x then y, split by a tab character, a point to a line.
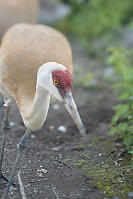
17	11
35	64
23	50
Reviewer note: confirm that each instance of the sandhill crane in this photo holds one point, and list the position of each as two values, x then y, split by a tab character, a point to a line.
35	66
17	11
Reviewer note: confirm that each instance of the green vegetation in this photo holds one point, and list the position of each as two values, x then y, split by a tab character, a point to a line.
122	122
67	160
80	163
92	19
106	171
80	147
84	80
111	180
96	24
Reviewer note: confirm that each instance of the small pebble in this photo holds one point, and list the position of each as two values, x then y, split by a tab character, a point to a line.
116	163
56	149
33	136
62	128
60	156
108	71
121	181
12	124
51	127
130	195
11	188
27	186
42	171
40	175
55	106
131	98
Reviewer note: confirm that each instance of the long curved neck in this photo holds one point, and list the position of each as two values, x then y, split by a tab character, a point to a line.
38	111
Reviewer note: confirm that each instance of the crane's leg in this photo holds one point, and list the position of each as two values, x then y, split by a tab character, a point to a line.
21	147
5	127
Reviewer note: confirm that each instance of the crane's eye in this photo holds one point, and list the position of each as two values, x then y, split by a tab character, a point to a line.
56	82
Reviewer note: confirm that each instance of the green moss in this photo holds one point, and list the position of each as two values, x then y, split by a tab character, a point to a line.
80	163
106	166
109	172
112	180
90	146
86	156
95	139
67	160
80	147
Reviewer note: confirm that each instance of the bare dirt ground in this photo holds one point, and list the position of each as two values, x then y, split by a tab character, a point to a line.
44	170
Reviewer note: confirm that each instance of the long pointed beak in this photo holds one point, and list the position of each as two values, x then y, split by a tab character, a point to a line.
72	109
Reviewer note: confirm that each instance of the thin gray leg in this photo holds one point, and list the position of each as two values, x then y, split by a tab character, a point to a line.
5	127
21	147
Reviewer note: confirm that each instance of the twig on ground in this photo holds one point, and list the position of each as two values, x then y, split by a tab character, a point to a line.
65	163
55	192
21	187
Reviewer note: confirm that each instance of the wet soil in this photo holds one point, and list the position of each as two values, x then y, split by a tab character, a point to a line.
47	168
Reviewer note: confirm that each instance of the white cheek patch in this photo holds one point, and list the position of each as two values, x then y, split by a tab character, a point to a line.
45	78
54	90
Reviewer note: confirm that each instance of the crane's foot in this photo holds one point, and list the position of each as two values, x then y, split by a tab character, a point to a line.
5	179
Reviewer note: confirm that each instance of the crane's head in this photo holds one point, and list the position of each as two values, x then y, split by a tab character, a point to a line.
58	81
